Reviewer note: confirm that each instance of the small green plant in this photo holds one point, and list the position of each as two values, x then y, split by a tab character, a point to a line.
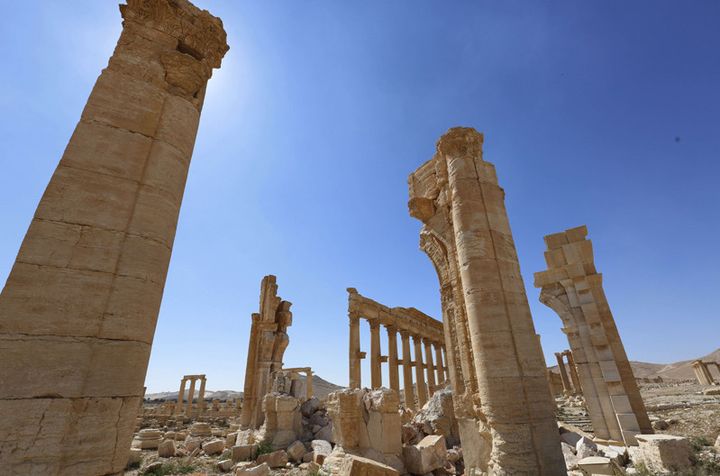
264	447
171	468
698	442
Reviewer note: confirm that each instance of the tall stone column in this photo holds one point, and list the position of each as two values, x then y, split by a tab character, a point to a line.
201	394
563	373
699	374
508	359
309	390
420	384
246	412
375	355
430	367
191	396
354	357
407	371
79	308
393	376
439	363
573	372
181	395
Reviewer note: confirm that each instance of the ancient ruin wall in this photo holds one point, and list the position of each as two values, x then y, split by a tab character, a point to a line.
467	236
78	311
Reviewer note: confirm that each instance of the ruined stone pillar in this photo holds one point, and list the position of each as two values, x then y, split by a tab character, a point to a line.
407	371
79	308
181	395
430	367
710	378
191	396
508	360
420	384
573	372
567	390
439	364
201	394
309	390
393	376
573	288
375	355
355	378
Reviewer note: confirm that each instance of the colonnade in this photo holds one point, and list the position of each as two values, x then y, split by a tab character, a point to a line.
702	372
568	389
191	394
418	331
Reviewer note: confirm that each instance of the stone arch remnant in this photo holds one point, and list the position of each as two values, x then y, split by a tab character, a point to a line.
497	369
78	311
573	289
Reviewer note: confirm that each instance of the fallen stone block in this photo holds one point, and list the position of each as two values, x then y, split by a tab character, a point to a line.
260	470
166	449
276	459
321	450
213	447
428	455
225	465
600	466
664	454
358	466
243	452
585	447
296	451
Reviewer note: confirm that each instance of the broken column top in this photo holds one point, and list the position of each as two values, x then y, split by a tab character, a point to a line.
198	33
461	141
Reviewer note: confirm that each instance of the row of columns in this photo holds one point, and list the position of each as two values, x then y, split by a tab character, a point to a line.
430	371
702	372
191	394
576	388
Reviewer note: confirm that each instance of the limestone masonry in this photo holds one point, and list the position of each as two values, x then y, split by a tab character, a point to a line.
80	305
497	368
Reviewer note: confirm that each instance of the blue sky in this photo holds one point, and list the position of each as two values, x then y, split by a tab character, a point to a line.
599	113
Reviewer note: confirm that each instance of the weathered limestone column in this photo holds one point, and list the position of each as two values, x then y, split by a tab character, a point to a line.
354	357
181	395
439	364
430	367
393	370
309	390
375	364
508	360
407	371
201	394
573	372
702	373
79	308
563	373
420	384
191	396
706	369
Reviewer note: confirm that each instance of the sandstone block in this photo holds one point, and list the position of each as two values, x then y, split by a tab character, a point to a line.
358	466
296	451
276	459
428	455
321	450
599	465
200	429
213	447
166	449
135	457
664	454
244	452
225	465
260	470
585	448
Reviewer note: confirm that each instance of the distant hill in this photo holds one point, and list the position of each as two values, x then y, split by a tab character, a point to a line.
321	389
676	371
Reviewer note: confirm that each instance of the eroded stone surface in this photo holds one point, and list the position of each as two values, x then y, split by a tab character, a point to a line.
80	304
